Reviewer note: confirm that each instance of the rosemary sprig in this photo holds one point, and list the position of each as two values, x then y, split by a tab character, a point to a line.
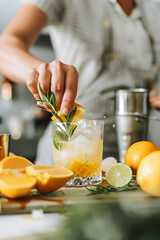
101	189
49	100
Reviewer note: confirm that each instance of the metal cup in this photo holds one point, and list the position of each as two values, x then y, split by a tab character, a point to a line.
4	145
131	116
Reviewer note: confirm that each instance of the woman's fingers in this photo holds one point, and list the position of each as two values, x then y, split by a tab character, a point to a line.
44	77
70	91
60	78
64	85
41	75
58	81
155	101
31	82
45	80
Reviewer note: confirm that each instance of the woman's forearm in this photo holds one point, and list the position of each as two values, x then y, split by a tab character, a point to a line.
17	64
15	59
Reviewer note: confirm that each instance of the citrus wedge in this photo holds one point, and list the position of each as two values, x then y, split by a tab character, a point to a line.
15	162
49	178
119	175
78	115
14	184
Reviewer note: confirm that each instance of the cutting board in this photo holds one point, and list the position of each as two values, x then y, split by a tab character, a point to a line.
65	198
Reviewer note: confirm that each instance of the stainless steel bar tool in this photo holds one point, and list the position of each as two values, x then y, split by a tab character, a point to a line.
40	105
131	116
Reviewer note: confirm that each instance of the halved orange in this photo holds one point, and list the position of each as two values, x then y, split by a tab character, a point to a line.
15	162
11	154
14	184
78	115
49	178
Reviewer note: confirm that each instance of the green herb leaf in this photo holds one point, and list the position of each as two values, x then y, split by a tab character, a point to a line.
58	138
101	189
72	114
67	118
53	101
58	118
48	94
71	131
49	99
42	93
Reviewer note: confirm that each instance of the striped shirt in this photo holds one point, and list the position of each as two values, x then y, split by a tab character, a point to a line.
109	49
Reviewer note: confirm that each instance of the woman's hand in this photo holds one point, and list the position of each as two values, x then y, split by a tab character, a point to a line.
155	101
15	59
62	79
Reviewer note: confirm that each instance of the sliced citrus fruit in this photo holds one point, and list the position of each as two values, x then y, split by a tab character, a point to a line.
49	178
14	184
15	162
35	169
119	175
78	115
11	154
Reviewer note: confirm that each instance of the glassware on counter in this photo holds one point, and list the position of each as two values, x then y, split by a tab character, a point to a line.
79	147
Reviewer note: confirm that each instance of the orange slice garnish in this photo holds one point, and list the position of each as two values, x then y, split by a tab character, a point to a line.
78	115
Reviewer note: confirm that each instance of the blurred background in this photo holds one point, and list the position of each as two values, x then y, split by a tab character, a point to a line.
18	112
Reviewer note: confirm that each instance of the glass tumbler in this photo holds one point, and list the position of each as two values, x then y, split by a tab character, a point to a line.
79	147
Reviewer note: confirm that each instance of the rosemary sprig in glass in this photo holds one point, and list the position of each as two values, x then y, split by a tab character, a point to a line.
49	99
102	189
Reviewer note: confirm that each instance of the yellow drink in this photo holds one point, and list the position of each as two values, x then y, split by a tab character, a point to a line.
81	154
84	159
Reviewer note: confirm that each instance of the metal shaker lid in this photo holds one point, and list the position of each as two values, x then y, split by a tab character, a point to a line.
132	102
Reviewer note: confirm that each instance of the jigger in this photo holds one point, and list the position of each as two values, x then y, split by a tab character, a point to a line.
4	145
131	116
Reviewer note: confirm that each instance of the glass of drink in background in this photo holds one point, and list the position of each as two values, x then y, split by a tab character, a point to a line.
79	147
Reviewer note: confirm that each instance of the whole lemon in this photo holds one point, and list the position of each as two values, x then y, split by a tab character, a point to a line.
137	151
148	173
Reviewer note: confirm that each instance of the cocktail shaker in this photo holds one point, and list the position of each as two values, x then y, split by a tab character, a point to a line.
4	145
131	116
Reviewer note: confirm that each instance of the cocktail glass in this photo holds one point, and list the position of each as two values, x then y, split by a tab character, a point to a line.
79	147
